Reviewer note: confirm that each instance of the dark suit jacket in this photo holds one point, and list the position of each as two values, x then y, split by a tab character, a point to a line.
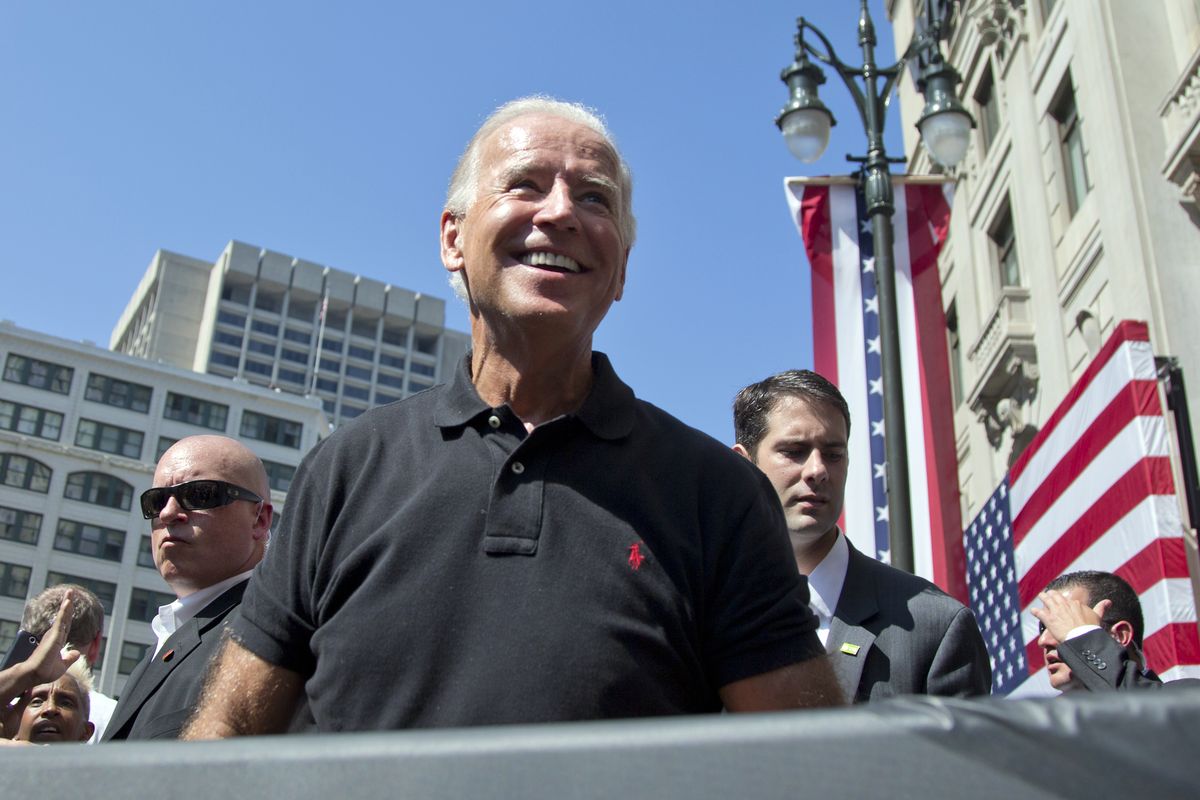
1100	664
894	633
164	688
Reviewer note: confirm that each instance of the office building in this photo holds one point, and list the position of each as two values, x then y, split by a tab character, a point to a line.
282	322
80	431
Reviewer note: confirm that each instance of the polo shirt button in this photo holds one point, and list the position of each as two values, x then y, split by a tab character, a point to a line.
494	421
518	467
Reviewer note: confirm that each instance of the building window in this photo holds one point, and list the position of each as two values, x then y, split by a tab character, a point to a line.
1004	239
1070	143
132	654
295	356
119	393
89	540
30	420
230	318
280	475
301	309
223	359
22	472
14	580
262	326
265	348
332	345
362	373
292	376
954	345
8	634
145	557
364	327
229	339
38	374
326	385
423	369
99	489
391	380
383	399
989	110
427	344
105	591
365	353
258	367
392	361
164	444
335	320
350	412
21	526
109	438
357	392
143	604
266	428
194	411
236	292
268	301
293	335
395	336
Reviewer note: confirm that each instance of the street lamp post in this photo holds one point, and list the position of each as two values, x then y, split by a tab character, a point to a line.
945	127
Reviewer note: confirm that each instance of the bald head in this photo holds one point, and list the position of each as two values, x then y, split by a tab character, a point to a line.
199	547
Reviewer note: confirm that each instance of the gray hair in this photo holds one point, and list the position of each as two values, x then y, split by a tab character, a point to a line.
82	673
464	181
87	618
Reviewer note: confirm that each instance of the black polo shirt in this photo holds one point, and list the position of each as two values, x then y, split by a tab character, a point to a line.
437	565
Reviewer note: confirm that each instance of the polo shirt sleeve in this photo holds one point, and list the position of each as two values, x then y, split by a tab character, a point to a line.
277	617
758	601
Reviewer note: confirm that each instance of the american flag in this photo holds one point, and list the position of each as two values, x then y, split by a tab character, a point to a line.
831	216
1093	490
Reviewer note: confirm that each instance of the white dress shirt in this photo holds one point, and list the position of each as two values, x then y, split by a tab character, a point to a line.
172	615
825	584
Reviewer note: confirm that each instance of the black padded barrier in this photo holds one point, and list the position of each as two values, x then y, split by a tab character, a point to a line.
1129	745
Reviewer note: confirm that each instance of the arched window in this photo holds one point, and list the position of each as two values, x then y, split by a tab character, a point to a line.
23	472
100	489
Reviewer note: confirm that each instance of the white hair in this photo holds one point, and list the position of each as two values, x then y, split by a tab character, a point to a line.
464	181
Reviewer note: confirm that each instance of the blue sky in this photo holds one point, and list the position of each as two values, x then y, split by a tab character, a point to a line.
327	131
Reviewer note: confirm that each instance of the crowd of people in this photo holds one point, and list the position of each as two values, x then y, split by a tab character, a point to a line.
529	541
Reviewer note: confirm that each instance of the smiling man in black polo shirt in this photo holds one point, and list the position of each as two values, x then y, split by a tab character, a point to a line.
528	542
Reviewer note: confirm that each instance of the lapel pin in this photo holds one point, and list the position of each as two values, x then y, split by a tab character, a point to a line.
850	649
167	656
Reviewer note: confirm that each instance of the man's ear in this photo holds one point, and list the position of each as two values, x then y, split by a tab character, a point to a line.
452	256
1122	631
621	286
262	525
88	730
743	452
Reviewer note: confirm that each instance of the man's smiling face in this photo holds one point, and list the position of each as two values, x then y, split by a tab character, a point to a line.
541	240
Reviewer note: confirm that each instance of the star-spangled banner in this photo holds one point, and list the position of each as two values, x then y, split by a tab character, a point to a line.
1092	491
831	217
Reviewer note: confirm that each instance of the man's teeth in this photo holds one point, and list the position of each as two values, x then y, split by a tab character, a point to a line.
540	259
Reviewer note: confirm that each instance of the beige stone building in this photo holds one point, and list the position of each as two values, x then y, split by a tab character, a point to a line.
1077	205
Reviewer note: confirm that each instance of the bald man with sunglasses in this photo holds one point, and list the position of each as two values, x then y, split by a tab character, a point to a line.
210	515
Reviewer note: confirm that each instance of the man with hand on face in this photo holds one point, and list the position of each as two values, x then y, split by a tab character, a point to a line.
210	516
887	632
1091	633
543	545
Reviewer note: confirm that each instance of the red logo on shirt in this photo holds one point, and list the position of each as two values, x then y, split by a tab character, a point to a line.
635	556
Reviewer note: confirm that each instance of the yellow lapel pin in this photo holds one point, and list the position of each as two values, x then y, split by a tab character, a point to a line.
850	649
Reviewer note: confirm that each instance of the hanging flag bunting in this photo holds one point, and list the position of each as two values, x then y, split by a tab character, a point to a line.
831	217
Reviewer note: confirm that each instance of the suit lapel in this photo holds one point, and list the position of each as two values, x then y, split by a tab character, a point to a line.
849	642
154	669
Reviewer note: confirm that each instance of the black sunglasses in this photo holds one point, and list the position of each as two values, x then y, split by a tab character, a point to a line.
194	496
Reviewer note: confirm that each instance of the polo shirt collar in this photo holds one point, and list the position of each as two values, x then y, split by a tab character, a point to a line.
608	412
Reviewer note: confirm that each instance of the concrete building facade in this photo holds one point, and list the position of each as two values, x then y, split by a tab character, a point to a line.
1075	207
80	431
282	322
